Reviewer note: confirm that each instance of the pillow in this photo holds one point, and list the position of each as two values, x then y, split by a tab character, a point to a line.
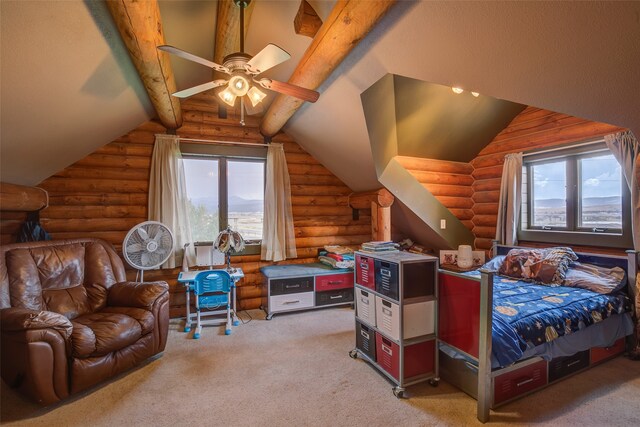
494	263
602	280
546	266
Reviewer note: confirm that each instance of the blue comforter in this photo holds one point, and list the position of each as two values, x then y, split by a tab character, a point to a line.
526	314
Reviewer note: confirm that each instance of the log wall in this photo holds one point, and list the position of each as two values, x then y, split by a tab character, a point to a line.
534	128
471	191
105	194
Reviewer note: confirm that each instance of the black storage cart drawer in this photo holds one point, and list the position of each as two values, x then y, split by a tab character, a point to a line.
293	285
334	297
386	278
366	340
563	366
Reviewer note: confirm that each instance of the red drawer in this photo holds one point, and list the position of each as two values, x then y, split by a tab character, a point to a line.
419	359
334	281
364	272
388	355
598	354
514	383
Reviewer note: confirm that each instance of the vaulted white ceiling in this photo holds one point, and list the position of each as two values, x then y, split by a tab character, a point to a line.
68	86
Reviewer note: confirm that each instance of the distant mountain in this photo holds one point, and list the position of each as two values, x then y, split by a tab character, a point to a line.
236	204
588	202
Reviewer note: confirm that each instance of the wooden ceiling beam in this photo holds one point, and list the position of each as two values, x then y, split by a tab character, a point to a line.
140	27
347	24
307	22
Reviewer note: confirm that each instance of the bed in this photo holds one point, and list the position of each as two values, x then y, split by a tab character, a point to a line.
531	335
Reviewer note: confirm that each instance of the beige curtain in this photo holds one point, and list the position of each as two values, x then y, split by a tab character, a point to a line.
626	150
168	197
510	200
278	238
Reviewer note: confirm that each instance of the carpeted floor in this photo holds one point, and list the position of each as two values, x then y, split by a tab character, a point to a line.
294	370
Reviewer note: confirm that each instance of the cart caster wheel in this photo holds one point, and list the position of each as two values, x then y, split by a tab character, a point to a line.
269	317
236	322
196	336
227	331
187	329
398	392
434	382
353	354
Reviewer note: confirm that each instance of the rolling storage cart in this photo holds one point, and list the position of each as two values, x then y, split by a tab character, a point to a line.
396	318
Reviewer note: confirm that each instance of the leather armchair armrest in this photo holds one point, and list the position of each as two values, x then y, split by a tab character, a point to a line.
16	319
140	295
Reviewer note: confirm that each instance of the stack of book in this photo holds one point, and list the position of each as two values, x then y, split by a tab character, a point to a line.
378	247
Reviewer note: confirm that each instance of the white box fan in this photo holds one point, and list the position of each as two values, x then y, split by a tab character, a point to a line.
147	245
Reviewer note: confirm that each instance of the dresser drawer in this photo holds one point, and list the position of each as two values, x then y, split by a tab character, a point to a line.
598	354
334	297
331	282
365	275
366	306
292	285
291	301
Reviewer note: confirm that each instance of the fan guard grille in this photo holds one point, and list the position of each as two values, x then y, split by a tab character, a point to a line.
148	245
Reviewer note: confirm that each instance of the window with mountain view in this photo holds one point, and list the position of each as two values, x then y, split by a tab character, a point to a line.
224	191
570	194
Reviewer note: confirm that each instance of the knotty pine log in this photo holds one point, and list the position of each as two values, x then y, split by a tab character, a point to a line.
14	197
105	193
306	22
433	165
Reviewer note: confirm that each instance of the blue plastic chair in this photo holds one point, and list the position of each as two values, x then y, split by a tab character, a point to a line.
211	289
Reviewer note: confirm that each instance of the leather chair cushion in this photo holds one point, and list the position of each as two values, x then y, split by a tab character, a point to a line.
70	302
100	333
144	317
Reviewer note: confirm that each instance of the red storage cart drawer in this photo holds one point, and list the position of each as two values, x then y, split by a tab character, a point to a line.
514	383
331	282
365	275
388	355
598	354
419	359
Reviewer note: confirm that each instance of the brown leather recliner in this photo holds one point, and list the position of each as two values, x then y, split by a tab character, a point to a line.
69	319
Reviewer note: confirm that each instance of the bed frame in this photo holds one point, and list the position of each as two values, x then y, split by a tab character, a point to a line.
466	317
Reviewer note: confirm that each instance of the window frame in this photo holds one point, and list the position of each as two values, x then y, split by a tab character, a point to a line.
572	233
224	154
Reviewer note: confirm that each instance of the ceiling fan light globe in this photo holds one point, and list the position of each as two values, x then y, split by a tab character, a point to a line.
256	96
238	85
228	97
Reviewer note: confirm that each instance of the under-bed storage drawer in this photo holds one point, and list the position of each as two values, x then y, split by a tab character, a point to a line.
520	381
291	286
334	297
331	282
598	354
366	339
563	366
291	301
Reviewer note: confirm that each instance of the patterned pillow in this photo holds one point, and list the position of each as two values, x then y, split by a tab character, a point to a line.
548	266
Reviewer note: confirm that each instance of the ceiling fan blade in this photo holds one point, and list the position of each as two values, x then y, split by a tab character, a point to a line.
191	57
289	89
200	88
268	57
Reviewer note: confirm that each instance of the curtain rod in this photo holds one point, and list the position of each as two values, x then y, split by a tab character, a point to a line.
213	141
563	147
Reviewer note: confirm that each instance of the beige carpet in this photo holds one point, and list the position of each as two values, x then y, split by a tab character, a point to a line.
294	370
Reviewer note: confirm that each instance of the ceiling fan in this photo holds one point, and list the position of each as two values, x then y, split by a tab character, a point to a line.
244	69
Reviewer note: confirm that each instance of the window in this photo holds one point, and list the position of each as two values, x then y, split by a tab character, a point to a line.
224	190
575	195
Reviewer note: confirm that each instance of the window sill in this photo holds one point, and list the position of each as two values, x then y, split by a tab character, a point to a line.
577	238
249	249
